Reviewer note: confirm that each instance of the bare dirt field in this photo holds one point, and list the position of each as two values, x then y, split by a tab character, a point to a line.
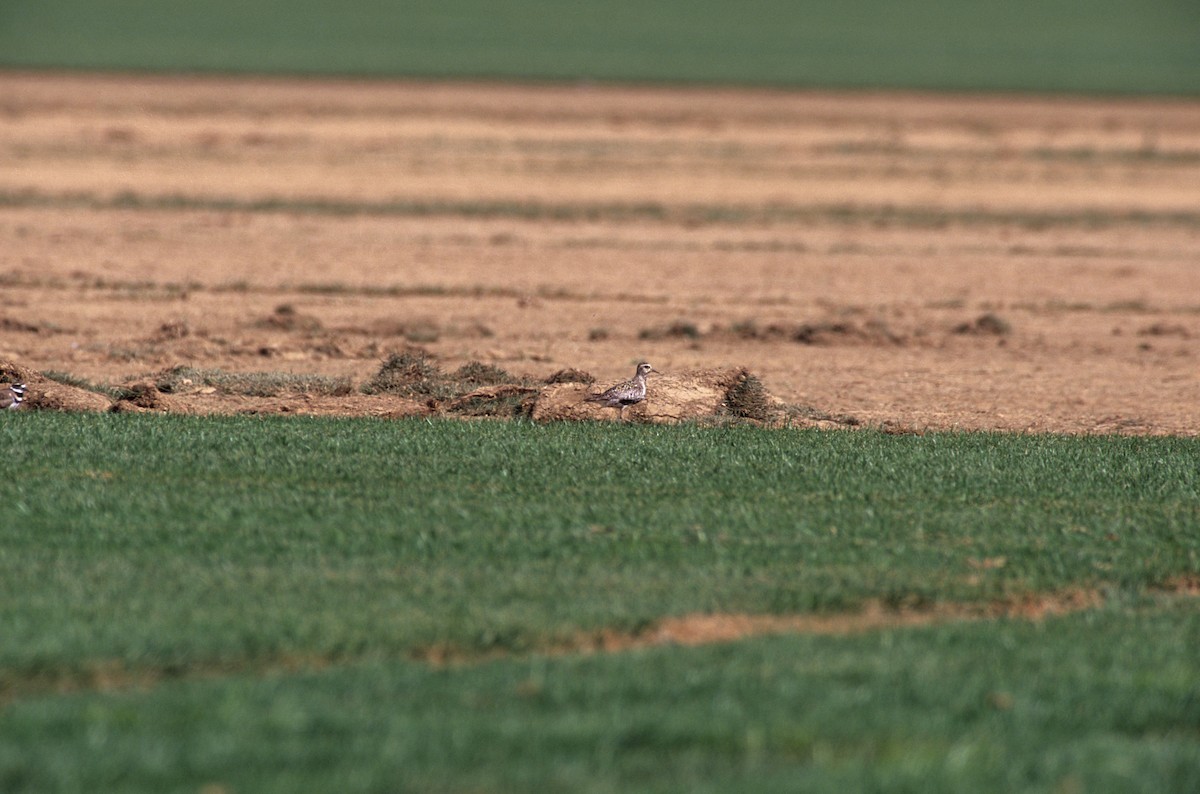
902	260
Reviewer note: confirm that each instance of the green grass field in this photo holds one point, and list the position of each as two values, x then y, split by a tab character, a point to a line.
241	601
1053	45
1104	702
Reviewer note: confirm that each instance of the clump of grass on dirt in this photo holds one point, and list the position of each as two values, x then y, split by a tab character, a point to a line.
474	389
479	374
680	329
506	401
571	375
746	398
422	333
410	373
287	318
985	324
746	329
488	390
8	324
171	331
871	331
251	384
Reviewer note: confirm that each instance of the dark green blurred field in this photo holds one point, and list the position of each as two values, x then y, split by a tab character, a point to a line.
1103	46
189	601
1102	702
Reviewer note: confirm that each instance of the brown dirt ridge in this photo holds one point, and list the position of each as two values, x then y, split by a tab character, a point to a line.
898	260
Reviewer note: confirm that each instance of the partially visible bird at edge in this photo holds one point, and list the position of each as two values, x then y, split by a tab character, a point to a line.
11	396
626	393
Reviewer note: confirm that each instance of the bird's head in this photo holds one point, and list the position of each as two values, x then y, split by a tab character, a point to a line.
644	368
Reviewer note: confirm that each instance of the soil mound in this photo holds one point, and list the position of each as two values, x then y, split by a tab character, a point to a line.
670	398
50	395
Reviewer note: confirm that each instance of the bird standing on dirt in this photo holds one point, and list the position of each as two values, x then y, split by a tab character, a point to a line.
626	393
11	396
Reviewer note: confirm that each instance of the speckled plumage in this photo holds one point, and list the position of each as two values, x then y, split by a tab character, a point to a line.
11	396
626	393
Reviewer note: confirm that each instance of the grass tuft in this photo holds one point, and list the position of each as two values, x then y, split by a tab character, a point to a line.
571	375
746	398
474	389
988	324
476	373
287	318
411	373
680	329
508	401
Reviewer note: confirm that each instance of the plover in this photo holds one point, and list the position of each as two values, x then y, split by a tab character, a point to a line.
11	396
626	393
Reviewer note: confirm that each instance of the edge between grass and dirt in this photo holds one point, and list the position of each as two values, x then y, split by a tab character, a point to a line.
796	531
181	580
412	383
867	44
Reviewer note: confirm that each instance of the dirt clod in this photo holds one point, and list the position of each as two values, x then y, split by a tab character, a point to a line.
988	323
287	318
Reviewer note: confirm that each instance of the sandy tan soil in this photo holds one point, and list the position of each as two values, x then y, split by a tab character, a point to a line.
843	247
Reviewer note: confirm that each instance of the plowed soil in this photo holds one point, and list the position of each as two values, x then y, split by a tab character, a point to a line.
911	261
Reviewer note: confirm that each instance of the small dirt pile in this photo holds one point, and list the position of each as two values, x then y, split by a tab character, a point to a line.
47	394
